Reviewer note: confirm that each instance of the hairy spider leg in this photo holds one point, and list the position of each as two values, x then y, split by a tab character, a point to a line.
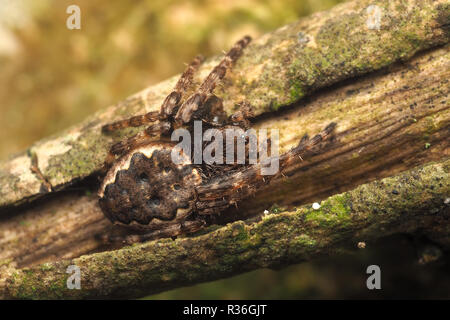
239	185
168	105
197	100
173	99
140	139
34	167
164	126
241	116
135	121
169	230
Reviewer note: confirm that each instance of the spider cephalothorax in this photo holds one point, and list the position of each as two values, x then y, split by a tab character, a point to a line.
145	189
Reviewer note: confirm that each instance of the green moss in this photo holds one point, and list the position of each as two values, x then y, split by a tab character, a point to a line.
275	208
305	240
334	212
80	161
58	288
286	237
278	72
297	91
242	235
24	223
46	267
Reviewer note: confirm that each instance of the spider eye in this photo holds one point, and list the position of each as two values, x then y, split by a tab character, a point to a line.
166	169
176	186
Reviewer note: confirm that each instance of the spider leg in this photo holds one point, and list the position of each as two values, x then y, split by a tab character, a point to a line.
34	167
170	230
198	99
305	145
172	100
219	71
135	121
240	184
140	139
168	105
212	112
241	116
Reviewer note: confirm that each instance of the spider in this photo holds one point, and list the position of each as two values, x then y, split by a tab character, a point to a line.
145	190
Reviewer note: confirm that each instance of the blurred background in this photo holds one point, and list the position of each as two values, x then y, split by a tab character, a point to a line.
52	77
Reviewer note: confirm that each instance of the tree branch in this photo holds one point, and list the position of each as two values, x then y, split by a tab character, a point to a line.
366	213
389	121
277	69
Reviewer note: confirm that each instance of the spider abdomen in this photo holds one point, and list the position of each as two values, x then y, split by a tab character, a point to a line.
145	188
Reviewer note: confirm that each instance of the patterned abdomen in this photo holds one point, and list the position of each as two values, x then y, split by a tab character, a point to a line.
146	188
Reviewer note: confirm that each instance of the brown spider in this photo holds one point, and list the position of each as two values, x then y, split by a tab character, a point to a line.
145	190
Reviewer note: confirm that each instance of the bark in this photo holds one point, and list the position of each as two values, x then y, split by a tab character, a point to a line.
393	115
276	70
404	203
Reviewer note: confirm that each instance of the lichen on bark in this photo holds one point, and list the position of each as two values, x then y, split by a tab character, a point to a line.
366	213
276	70
388	122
